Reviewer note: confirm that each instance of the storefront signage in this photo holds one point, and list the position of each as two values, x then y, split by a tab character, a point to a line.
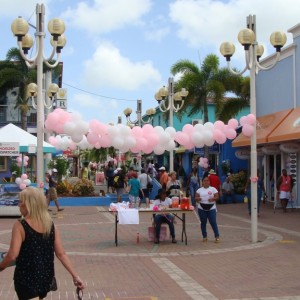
271	150
242	154
214	149
290	147
9	149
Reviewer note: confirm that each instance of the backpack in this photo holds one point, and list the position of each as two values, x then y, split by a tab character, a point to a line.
116	183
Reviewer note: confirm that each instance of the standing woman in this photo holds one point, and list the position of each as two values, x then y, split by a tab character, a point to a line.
193	184
174	186
206	198
35	240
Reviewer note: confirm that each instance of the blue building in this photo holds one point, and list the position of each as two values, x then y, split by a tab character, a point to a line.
278	117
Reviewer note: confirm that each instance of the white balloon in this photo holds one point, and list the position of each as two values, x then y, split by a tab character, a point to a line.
18	180
199	127
77	137
209	126
69	128
170	145
164	138
171	131
197	139
208	138
158	129
159	150
117	142
27	182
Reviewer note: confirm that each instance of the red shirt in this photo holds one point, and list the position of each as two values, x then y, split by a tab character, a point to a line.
215	181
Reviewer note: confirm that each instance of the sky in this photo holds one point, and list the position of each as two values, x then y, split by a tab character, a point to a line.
122	50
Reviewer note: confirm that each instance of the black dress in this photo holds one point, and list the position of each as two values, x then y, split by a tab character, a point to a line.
35	264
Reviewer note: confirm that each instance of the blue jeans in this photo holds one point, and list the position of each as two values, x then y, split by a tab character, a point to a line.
193	188
167	218
211	215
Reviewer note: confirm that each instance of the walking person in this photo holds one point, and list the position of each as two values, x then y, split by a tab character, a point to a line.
206	197
193	184
284	188
53	191
35	239
109	176
260	190
134	190
120	183
145	179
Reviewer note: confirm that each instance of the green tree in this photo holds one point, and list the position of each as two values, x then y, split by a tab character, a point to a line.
15	73
210	83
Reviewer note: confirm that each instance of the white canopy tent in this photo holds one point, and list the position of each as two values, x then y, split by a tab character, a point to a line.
12	133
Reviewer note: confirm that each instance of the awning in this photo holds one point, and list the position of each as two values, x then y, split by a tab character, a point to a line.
180	149
264	127
288	129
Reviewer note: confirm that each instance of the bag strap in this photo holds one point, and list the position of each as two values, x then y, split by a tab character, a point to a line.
79	293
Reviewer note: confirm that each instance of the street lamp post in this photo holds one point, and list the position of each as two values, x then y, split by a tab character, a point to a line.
253	51
174	104
56	27
139	121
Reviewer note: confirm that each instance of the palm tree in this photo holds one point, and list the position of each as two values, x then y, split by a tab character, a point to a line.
14	72
210	83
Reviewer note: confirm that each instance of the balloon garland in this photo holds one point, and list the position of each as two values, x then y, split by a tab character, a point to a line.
146	139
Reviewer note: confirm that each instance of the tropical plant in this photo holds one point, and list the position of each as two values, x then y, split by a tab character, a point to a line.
239	181
83	187
210	83
14	72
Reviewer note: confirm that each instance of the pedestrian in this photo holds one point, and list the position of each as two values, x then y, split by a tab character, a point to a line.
284	188
227	191
53	191
85	170
134	190
135	165
206	197
109	176
163	177
193	184
46	184
163	202
119	183
145	179
35	239
260	190
215	180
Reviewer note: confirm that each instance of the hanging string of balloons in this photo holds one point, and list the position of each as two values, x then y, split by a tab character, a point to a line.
73	132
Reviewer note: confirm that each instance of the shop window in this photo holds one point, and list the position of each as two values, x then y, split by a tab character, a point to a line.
3	164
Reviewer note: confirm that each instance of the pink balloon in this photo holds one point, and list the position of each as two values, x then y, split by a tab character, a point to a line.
243	120
219	136
230	133
137	131
147	129
251	119
19	159
248	130
22	186
105	141
26	158
219	125
233	123
188	129
92	138
52	140
24	176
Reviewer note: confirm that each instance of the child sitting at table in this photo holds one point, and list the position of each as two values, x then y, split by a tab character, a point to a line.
163	202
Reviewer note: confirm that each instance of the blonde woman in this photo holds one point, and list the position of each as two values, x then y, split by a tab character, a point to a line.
35	240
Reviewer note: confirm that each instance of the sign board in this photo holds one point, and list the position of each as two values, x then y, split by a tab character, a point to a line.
63	104
214	149
62	94
9	149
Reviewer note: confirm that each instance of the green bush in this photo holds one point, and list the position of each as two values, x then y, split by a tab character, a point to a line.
83	187
239	181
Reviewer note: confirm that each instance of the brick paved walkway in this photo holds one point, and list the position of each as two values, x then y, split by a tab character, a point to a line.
233	269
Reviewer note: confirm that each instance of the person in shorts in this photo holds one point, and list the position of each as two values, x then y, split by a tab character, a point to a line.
53	191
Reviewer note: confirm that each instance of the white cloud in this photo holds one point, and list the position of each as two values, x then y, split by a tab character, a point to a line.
106	15
205	24
108	68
